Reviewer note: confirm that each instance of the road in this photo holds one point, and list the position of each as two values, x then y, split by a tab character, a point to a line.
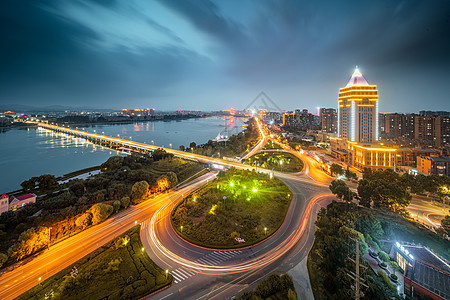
199	273
20	279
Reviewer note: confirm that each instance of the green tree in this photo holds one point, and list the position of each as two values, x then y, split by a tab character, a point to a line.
100	212
125	202
341	190
116	205
47	182
350	175
336	169
445	224
139	191
113	163
385	188
30	184
173	179
182	148
3	259
192	145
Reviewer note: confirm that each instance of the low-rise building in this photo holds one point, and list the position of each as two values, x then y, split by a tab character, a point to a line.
425	272
15	203
433	165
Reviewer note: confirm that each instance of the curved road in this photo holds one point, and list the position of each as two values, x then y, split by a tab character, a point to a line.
198	273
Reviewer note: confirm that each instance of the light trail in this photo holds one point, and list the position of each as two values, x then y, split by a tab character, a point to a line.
256	262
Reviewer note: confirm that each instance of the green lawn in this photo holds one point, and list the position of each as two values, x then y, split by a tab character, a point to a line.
253	202
271	145
117	270
278	161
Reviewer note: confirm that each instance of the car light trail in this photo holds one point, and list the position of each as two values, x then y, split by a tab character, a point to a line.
257	262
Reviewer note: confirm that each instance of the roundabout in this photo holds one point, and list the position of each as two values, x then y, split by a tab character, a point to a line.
181	258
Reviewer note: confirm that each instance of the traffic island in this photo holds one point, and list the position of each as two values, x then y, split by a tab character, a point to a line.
238	209
277	161
120	269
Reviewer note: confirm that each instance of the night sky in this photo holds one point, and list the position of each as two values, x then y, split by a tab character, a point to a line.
210	55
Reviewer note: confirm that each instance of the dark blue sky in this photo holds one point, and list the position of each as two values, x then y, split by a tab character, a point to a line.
210	55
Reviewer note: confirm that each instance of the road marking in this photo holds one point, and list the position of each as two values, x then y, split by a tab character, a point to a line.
166	296
181	274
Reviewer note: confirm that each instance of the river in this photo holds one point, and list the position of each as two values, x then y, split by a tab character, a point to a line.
29	152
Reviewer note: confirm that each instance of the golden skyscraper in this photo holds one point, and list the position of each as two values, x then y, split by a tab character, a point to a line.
358	110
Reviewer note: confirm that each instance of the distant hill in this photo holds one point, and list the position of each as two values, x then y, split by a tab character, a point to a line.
30	108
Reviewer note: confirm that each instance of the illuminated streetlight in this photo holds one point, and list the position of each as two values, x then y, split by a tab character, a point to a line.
135	222
265	230
254	190
167	273
231	183
181	228
39	280
142	249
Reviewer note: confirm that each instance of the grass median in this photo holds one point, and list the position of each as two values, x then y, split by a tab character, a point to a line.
119	269
238	209
277	161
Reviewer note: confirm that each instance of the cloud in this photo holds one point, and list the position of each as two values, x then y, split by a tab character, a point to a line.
206	53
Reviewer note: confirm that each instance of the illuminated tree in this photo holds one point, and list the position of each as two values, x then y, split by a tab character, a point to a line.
139	191
29	242
100	212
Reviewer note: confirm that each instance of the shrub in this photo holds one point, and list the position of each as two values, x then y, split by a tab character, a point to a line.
383	256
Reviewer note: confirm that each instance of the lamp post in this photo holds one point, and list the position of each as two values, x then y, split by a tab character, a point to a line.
49	236
265	230
167	273
39	280
181	228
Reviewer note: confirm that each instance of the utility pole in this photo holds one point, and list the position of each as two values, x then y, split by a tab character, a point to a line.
357	271
356	276
49	235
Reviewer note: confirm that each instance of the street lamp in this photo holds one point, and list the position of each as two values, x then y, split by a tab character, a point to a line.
135	222
39	280
170	145
142	249
265	230
254	190
181	228
167	273
49	236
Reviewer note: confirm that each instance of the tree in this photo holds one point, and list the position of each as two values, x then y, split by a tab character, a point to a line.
445	224
163	183
192	145
384	188
341	190
77	188
29	242
84	220
350	175
3	259
336	169
30	184
116	205
47	182
182	148
125	202
100	212
139	191
173	179
113	163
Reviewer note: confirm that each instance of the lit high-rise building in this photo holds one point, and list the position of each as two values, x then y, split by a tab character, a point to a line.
358	110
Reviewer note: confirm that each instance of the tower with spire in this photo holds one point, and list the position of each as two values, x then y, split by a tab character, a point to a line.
358	110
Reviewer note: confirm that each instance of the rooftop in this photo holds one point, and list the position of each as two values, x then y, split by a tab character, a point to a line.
357	79
24	197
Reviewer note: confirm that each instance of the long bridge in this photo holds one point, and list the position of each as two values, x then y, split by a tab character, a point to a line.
116	143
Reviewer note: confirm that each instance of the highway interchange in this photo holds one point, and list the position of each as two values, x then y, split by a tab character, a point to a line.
202	273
